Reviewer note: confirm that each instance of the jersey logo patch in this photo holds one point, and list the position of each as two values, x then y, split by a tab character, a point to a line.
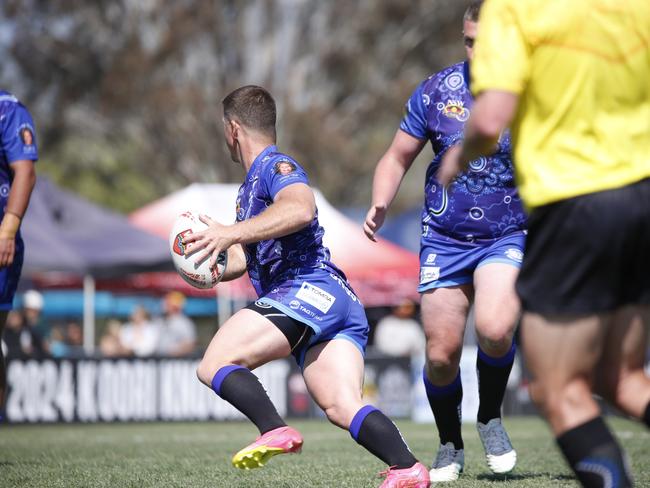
515	254
284	168
454	109
316	296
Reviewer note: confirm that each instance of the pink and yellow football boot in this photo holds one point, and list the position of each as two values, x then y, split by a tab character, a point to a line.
283	440
417	476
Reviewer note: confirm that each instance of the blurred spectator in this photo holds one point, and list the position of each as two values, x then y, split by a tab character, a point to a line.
57	343
16	337
32	309
399	334
139	337
177	331
75	339
109	344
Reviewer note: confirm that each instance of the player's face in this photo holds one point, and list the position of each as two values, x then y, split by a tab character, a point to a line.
469	34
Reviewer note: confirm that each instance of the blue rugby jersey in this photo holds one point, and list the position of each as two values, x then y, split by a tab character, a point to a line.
482	203
272	261
17	142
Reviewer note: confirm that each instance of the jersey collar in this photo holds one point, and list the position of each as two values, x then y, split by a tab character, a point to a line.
260	157
466	75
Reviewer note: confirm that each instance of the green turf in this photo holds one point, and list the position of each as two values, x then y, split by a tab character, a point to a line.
198	455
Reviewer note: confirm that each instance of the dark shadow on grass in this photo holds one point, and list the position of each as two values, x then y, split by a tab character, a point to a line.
524	476
6	463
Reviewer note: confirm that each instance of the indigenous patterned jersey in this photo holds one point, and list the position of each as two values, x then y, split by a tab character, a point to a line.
17	141
275	260
482	203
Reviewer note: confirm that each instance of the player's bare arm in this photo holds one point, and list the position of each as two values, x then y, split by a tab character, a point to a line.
24	178
389	173
236	262
294	207
492	114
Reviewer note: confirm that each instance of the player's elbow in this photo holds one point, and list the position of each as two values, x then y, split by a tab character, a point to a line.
304	215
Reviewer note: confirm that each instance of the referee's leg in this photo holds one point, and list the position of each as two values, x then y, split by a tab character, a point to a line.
621	378
563	355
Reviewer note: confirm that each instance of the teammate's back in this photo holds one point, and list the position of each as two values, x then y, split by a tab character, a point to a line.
586	67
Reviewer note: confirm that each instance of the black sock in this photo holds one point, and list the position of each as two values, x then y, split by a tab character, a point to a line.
379	435
595	456
646	415
445	402
243	390
493	376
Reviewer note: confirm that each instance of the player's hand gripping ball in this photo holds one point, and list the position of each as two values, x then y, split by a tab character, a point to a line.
199	275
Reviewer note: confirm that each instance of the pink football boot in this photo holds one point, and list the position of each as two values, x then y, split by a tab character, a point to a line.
417	476
283	440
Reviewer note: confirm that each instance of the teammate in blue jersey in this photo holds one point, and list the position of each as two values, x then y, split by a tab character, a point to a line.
18	152
306	306
471	248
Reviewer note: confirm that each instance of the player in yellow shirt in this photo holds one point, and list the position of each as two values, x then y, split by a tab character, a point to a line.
572	79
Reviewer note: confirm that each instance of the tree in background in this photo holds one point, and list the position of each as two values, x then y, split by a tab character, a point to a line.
126	93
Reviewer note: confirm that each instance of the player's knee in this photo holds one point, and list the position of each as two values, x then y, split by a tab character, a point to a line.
440	359
205	372
206	369
494	335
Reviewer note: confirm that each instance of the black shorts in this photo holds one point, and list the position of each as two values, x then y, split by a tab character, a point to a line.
297	333
588	254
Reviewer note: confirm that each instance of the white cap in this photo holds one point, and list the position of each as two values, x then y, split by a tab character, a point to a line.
33	299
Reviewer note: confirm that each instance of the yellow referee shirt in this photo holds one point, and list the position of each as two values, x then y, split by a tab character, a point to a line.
581	69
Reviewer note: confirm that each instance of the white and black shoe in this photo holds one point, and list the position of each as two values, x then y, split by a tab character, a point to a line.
449	463
501	457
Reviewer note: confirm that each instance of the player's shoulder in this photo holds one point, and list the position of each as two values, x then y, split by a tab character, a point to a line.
280	163
8	101
449	78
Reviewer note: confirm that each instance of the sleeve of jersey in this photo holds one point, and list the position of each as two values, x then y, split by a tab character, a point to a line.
281	173
18	135
502	54
414	122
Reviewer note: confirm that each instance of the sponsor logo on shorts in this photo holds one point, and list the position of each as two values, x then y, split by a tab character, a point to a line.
262	304
342	284
515	254
295	304
431	258
315	296
429	274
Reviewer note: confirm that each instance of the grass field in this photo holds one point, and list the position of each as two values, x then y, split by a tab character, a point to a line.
165	455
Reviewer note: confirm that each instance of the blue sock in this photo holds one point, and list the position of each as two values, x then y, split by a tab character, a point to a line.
445	402
379	435
493	374
243	390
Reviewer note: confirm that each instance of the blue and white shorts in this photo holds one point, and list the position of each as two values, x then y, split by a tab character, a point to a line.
322	300
448	262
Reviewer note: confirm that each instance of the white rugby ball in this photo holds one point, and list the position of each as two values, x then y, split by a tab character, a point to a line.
199	275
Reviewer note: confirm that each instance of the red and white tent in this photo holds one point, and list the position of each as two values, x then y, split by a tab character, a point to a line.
380	272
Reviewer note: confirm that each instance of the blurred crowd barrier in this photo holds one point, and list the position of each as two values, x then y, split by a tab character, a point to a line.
166	389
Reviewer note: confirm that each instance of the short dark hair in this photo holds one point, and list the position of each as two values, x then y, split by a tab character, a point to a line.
472	12
253	107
